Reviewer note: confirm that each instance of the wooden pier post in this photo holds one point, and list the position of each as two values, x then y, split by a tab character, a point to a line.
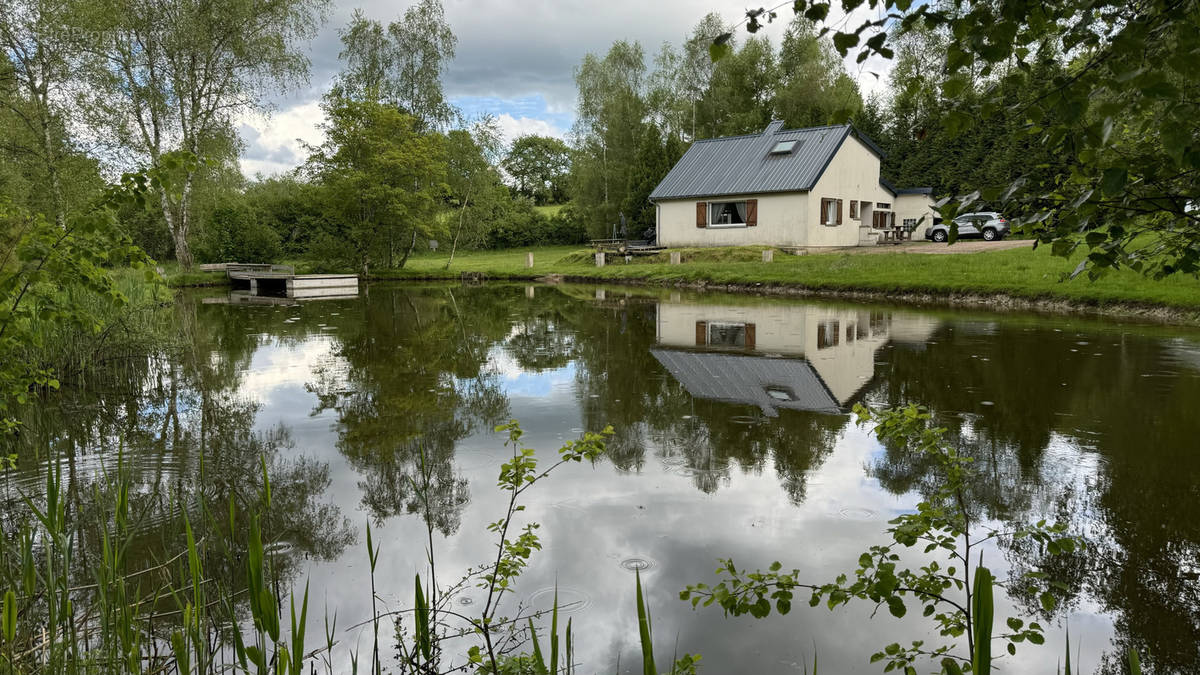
768	255
529	259
600	259
676	257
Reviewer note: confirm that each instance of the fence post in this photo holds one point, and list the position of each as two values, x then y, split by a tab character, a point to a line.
600	259
676	257
529	259
768	255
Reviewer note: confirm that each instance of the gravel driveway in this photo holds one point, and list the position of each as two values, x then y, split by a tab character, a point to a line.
934	248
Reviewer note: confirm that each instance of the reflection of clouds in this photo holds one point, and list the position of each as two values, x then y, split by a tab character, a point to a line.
519	382
276	365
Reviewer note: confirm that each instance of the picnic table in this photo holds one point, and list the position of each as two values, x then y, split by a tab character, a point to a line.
895	235
625	246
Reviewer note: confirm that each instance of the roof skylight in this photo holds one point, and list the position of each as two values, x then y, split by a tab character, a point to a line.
784	147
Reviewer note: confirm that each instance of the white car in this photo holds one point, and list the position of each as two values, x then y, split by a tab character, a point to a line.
989	225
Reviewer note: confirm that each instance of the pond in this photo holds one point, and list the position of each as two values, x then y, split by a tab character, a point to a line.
733	438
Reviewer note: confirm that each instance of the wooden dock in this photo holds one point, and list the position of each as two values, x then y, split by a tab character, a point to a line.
256	276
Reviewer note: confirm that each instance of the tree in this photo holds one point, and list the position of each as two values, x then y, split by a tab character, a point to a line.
656	155
382	179
696	67
540	166
741	95
473	179
814	89
401	65
289	206
607	130
35	78
171	76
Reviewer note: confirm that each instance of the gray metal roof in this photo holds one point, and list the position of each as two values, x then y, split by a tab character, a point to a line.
749	380
737	165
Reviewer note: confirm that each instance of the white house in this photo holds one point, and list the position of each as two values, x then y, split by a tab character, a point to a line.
817	187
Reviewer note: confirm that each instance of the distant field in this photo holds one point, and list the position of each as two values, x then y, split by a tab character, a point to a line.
549	210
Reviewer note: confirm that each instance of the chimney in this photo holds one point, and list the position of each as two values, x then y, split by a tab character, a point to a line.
773	127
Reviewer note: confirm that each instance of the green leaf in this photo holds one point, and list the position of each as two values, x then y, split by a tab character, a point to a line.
644	633
1048	602
1113	181
8	620
983	610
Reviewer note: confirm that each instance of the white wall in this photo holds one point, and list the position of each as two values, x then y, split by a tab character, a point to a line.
918	207
780	222
852	174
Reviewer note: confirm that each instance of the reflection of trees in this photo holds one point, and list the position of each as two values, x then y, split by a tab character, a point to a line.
408	382
1107	394
179	433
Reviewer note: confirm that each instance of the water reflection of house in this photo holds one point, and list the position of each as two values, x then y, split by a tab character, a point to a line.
778	356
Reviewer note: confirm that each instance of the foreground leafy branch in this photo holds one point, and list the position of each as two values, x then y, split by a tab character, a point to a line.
954	593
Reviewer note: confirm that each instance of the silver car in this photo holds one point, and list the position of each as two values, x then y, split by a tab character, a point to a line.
989	225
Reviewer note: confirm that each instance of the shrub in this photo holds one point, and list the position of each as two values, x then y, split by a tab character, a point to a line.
519	225
233	234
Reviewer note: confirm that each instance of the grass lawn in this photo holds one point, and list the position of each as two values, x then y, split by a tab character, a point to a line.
1023	273
1017	272
549	210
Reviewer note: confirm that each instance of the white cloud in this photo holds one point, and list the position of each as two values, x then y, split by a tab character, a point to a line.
514	127
274	143
509	59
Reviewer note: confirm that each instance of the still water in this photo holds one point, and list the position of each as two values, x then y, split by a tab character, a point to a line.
733	439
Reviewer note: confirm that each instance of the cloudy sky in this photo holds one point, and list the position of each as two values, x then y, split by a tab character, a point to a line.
515	60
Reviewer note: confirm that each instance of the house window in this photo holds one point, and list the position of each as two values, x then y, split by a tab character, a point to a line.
910	224
727	214
854	208
828	334
831	211
726	335
879	323
883	205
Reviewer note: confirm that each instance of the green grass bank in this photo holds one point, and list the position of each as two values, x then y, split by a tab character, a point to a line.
1019	278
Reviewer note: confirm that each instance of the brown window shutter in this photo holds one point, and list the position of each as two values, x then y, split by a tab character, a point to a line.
701	333
853	208
824	210
701	214
751	212
749	336
839	222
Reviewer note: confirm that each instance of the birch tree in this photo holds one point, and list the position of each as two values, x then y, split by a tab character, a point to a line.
42	53
472	155
401	65
173	75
